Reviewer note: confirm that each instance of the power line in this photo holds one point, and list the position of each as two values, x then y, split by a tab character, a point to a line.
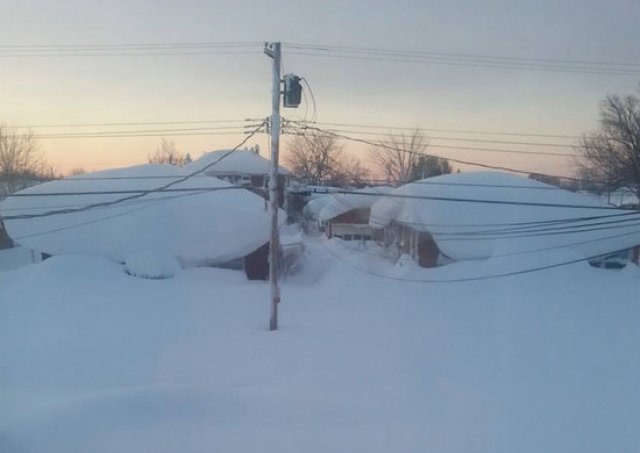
462	148
452	159
129	54
453	60
477	200
541	249
143	193
459	55
514	230
502	186
573	230
466	148
566	220
468	279
130	123
135	131
463	63
547	228
219	130
115	192
166	134
132	45
457	131
303	46
458	139
131	203
113	50
102	219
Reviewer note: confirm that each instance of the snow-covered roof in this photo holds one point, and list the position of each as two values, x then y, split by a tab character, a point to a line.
240	162
499	224
338	204
198	227
315	206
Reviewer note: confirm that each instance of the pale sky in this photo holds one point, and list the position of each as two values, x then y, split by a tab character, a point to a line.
65	90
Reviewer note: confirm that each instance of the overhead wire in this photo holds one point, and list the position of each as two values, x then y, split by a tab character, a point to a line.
109	217
524	230
460	55
440	137
224	130
216	44
457	60
299	129
469	279
127	123
452	159
128	54
565	245
164	187
456	131
115	50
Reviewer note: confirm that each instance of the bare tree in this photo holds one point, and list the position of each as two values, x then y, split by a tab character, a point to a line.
611	156
428	166
20	161
77	171
315	158
401	158
319	158
352	172
166	153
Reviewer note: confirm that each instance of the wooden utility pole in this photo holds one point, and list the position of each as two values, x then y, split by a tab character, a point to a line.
273	51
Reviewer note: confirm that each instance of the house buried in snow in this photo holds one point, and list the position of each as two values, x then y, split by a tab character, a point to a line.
481	215
245	168
201	221
346	215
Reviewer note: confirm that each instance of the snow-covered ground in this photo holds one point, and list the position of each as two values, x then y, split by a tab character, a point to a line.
94	360
17	257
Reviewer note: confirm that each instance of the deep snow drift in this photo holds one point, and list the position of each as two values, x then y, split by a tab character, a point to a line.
202	220
92	360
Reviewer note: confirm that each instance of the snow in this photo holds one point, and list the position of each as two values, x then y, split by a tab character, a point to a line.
151	263
471	231
17	257
199	227
240	162
313	209
92	359
338	204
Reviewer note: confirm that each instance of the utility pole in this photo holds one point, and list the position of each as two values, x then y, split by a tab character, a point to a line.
273	51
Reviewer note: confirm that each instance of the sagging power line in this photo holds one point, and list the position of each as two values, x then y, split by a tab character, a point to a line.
144	192
302	128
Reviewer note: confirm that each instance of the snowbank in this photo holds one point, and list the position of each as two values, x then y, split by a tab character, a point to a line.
95	361
151	263
199	226
17	257
500	226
